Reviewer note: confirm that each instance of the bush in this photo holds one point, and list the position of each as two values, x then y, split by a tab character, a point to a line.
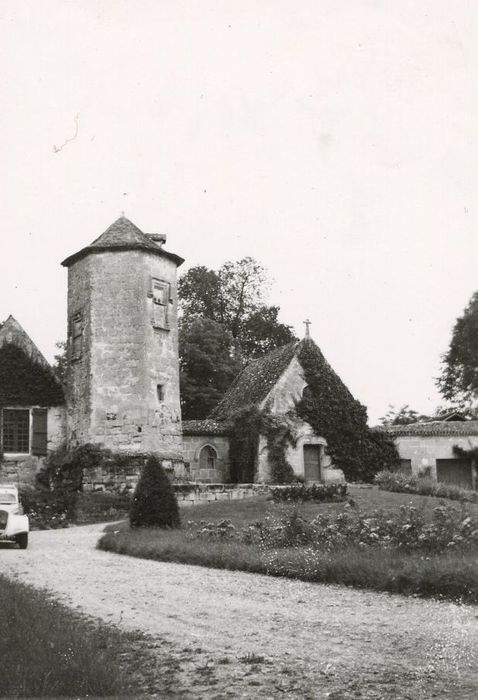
400	482
101	506
154	501
318	493
47	510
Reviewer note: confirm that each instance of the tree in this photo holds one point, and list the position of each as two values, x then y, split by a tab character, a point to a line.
401	416
207	365
459	377
154	501
61	361
234	297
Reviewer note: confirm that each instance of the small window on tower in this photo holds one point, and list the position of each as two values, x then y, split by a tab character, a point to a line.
161	292
76	331
160	392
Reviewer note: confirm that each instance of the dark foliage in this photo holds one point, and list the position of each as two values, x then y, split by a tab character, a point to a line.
459	378
207	365
334	414
262	332
402	416
279	434
247	425
317	493
154	501
244	444
63	471
234	297
61	361
24	382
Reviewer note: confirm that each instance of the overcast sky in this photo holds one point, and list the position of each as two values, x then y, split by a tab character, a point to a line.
334	141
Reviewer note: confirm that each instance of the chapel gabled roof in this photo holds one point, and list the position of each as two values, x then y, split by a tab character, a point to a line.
255	381
122	235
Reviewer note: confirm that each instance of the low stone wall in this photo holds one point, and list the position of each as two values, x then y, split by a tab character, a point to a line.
195	494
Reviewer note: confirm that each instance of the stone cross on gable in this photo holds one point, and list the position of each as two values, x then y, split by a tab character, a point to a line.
307	323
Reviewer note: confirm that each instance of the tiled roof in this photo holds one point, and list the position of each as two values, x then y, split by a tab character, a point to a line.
122	235
255	381
436	427
205	427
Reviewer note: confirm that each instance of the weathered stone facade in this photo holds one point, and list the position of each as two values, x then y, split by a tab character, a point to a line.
32	410
428	449
123	369
281	401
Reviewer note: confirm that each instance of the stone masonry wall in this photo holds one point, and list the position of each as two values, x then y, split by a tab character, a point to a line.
424	451
192	445
23	468
126	357
78	384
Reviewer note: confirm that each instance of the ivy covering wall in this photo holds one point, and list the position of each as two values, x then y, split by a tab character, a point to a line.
247	425
335	415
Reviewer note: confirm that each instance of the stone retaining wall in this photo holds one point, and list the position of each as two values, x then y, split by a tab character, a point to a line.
195	494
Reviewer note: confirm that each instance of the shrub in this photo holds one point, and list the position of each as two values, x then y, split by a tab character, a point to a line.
101	506
400	482
318	493
154	501
47	510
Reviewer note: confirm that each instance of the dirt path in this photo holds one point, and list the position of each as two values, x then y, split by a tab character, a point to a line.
237	635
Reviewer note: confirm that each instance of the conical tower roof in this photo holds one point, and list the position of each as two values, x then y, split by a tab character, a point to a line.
122	235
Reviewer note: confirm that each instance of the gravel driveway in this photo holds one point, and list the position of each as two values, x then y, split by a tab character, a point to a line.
238	635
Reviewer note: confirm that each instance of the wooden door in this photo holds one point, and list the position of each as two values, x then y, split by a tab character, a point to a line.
455	471
312	462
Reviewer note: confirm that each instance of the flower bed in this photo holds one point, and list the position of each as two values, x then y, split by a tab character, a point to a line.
425	486
319	493
408	529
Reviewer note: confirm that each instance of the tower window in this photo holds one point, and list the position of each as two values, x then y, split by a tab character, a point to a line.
160	392
161	292
76	330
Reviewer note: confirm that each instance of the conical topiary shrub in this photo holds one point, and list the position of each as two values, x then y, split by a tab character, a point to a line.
154	501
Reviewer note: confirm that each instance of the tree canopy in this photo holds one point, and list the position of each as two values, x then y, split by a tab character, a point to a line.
224	322
234	296
207	365
401	416
458	381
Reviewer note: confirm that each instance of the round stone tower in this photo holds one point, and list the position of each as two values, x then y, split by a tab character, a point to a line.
123	366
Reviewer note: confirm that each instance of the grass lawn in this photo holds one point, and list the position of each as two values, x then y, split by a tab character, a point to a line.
450	575
48	650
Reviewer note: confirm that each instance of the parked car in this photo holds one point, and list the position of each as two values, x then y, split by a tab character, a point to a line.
14	526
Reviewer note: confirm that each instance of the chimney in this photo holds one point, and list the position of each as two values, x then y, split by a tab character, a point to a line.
158	238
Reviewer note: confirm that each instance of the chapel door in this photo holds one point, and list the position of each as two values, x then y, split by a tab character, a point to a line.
312	462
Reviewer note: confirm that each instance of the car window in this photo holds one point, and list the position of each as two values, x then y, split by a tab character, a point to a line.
7	497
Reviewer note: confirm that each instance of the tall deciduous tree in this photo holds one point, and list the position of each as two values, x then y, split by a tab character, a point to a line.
234	297
224	323
458	381
208	365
